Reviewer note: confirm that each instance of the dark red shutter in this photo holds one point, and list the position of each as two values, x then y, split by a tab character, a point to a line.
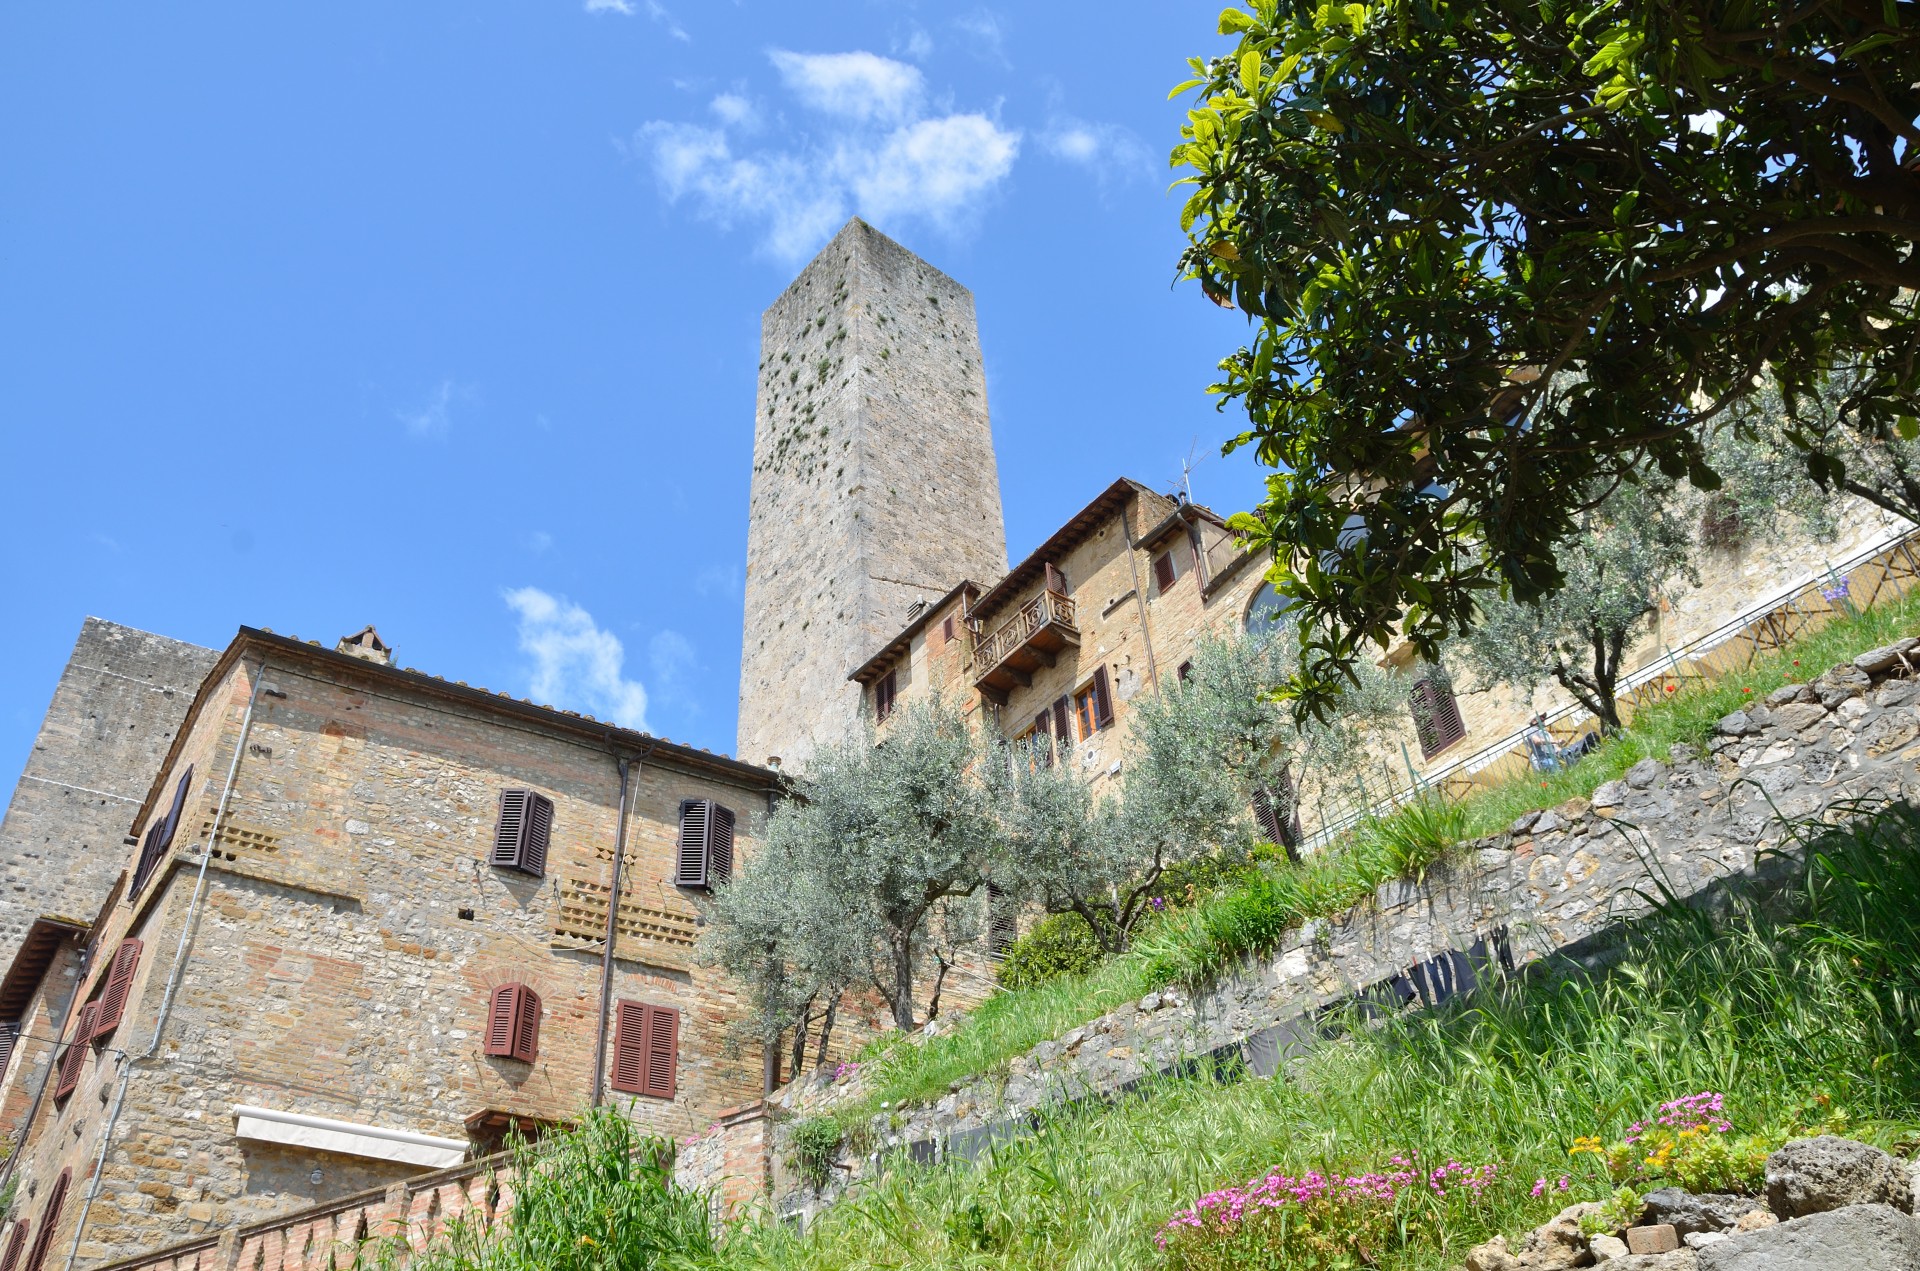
884	692
630	1047
663	1051
49	1220
1063	723
1436	716
113	998
10	1261
1102	699
501	1005
533	856
690	866
526	1029
159	837
1163	572
74	1058
9	1038
719	845
1056	581
946	630
1037	740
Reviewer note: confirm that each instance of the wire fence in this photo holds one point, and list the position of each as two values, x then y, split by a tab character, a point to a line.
1886	570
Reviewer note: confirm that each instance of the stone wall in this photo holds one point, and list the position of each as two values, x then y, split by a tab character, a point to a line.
1554	881
113	715
874	481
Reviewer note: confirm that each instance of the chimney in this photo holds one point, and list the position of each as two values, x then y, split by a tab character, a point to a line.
366	643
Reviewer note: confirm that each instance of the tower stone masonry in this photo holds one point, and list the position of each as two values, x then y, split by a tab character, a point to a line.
874	481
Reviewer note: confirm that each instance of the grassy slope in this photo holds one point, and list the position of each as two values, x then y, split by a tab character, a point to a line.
1770	1011
1192	945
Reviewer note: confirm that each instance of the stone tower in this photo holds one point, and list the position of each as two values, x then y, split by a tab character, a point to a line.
874	482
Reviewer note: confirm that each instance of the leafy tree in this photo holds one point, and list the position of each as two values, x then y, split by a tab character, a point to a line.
1880	465
1633	546
862	877
1202	750
1433	211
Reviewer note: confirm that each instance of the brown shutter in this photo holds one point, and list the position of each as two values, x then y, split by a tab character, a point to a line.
10	1261
1042	752
690	866
719	845
526	1039
501	1006
1185	671
533	856
1102	699
946	630
510	830
153	849
9	1038
1002	923
1436	716
1063	722
663	1051
74	1058
113	998
1163	571
630	1047
49	1220
1056	581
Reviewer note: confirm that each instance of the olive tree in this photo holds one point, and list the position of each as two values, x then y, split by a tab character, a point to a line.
1433	210
864	874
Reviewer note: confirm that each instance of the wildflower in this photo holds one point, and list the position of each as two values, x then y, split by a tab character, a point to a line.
1539	1187
1672	687
1746	690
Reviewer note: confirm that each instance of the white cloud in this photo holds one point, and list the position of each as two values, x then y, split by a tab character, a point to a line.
982	26
1109	152
873	150
435	417
718	580
671	656
918	45
576	665
653	9
539	541
856	85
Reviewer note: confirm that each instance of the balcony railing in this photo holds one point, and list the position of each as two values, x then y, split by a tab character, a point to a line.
1030	639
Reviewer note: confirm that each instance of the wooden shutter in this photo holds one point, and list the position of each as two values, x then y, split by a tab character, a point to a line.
883	694
1102	699
49	1220
1002	928
1063	722
521	834
526	1028
502	1005
1056	581
663	1051
1163	570
10	1261
690	865
946	630
74	1058
1276	811
1436	716
159	838
113	998
630	1047
9	1038
719	844
1037	740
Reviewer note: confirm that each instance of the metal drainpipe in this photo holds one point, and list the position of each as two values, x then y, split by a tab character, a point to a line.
1139	597
179	966
613	928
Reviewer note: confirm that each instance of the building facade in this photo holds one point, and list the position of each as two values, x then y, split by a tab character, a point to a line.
361	932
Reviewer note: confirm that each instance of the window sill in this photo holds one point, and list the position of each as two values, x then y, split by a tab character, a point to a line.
297	1129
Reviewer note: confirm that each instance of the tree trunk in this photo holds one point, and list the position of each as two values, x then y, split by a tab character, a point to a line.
900	992
800	1037
939	979
826	1031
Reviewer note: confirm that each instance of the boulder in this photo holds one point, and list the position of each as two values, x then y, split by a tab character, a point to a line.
1645	773
1874	661
1658	1238
1607	1248
1799	716
1811	1176
1735	724
1689	1213
1856	1238
1789	693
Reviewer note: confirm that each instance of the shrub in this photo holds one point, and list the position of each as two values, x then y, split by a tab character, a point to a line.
812	1143
1058	945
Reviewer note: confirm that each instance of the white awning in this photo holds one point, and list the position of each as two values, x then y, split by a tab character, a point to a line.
297	1129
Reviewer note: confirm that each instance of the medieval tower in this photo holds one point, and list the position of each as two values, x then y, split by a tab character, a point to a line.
874	484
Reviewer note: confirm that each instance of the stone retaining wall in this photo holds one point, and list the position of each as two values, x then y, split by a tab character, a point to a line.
1552	882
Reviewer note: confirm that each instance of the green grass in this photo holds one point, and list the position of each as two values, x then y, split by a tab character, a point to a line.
1814	1000
1194	945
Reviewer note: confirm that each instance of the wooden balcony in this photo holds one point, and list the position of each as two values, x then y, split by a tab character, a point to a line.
1029	640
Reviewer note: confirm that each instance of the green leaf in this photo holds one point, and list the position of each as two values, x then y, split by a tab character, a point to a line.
1250	71
1908	427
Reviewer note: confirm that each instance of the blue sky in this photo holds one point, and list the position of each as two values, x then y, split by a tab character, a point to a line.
445	316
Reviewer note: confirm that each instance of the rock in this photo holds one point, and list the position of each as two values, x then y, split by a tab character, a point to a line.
1610	795
1842	682
1757	1220
1799	716
1896	693
1688	1213
1874	661
1734	725
1913	1179
1645	773
1524	823
1547	823
1607	1248
1678	1260
1150	1003
1492	1256
1658	1238
1856	1238
1701	1239
1811	1176
1573	809
1788	693
1558	1244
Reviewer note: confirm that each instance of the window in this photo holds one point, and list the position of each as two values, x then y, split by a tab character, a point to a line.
1265	609
520	835
646	1049
1002	923
946	630
74	1058
513	1023
10	1261
1185	672
113	998
1056	581
1169	567
49	1219
1276	811
1093	705
1436	715
705	856
883	696
9	1038
154	848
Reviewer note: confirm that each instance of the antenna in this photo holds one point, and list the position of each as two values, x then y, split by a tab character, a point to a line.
1187	466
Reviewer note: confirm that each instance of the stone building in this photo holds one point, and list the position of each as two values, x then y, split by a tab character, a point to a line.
874	481
361	930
